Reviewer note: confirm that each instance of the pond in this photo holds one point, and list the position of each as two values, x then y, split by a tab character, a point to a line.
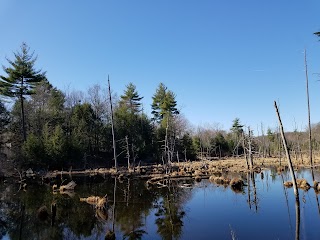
183	209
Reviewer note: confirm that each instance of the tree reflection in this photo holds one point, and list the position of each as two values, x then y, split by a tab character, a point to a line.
134	234
252	195
297	205
170	212
134	201
73	219
22	222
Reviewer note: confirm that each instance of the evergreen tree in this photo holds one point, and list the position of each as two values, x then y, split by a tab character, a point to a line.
237	127
220	145
237	130
21	79
133	125
164	104
131	99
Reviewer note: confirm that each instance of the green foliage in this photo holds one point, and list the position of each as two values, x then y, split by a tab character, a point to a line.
130	123
187	147
164	104
21	76
82	122
169	219
270	135
55	145
34	151
131	99
237	127
21	79
4	117
220	145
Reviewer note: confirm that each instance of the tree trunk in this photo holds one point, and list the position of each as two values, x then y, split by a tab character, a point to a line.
308	102
128	152
249	149
24	132
112	129
295	189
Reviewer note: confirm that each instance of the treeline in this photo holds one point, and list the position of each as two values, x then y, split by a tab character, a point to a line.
47	128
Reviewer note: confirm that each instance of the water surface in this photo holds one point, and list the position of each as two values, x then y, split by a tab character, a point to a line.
263	209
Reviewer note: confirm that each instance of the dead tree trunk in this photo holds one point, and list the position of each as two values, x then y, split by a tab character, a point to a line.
250	149
295	189
112	129
279	147
244	149
308	102
297	205
128	152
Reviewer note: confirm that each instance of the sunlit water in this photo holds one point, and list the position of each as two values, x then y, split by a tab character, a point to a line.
264	209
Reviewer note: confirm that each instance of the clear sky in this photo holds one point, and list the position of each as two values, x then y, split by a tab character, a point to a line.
223	59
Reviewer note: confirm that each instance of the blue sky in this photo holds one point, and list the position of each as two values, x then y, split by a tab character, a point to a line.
223	59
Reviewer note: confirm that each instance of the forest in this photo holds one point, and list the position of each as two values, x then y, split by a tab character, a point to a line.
45	128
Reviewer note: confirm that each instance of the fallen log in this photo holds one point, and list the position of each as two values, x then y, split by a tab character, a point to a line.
98	202
70	186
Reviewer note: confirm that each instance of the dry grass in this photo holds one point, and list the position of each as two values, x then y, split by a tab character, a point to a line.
316	185
237	182
220	180
236	185
303	184
201	168
288	184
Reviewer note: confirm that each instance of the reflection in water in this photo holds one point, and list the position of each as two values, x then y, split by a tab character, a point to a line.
297	205
252	200
169	212
285	191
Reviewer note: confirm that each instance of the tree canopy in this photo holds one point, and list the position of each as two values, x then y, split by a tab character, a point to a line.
164	103
22	76
131	99
21	79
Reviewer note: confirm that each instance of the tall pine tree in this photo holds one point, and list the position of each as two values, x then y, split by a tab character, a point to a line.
164	104
21	79
131	99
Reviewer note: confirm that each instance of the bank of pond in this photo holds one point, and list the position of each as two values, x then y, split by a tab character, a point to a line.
245	205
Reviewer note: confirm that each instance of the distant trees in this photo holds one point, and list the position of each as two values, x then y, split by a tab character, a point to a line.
45	123
164	110
52	129
163	104
237	131
132	125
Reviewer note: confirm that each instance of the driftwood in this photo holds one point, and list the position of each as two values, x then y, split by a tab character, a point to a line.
70	186
65	189
98	202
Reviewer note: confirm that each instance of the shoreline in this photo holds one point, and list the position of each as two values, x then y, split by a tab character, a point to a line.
176	170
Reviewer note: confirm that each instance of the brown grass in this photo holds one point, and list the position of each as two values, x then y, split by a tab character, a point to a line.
236	182
303	184
288	184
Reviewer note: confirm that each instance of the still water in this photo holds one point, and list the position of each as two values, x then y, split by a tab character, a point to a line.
184	209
